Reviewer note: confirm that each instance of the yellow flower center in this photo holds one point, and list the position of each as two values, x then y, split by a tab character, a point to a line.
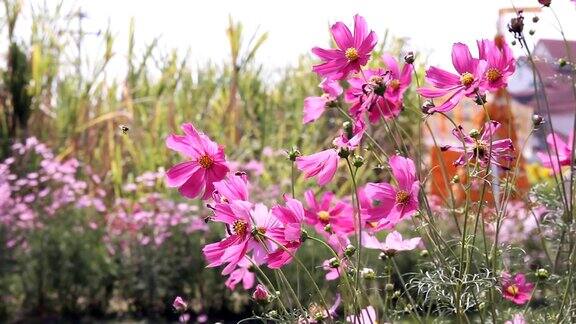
394	84
480	148
466	79
493	74
206	162
512	290
239	227
402	197
261	230
323	216
372	224
351	54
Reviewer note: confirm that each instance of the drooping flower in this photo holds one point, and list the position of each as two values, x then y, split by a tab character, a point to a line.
242	274
247	226
393	243
366	316
467	83
261	293
179	304
516	319
560	152
338	214
207	163
368	96
314	107
476	146
318	314
321	165
516	289
352	53
399	80
401	201
500	63
289	235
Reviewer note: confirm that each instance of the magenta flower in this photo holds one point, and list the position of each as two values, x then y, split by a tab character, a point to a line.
179	304
246	226
352	53
399	80
261	293
398	202
324	212
368	95
466	83
289	235
207	163
321	165
500	63
366	316
350	139
476	146
393	243
314	107
561	152
241	274
233	187
516	289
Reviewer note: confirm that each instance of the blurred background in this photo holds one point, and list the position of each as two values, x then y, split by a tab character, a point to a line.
90	89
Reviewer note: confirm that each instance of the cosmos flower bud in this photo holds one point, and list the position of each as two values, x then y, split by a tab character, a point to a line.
427	106
562	62
272	314
480	99
293	154
328	228
531	32
424	253
303	236
348	128
389	287
535	19
334	263
409	58
350	250
516	24
378	169
357	161
455	179
537	120
261	294
542	274
344	153
474	133
545	3
179	304
368	274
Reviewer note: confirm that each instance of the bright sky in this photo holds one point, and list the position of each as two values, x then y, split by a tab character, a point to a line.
295	26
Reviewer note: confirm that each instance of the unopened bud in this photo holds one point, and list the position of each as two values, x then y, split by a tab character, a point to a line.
357	161
424	253
328	228
474	133
389	287
537	120
562	62
535	19
350	250
409	58
368	274
344	153
455	179
334	263
545	3
348	129
383	256
542	274
427	106
378	169
531	32
293	154
480	99
303	236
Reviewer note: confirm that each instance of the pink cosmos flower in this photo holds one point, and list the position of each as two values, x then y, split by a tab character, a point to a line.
477	146
351	139
516	319
179	304
207	163
333	273
233	187
260	293
557	146
324	212
246	226
516	289
397	203
366	316
466	83
500	63
399	80
368	95
314	107
184	318
393	243
241	274
352	53
289	235
321	165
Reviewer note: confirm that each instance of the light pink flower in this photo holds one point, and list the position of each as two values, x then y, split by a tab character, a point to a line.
260	293
516	319
397	203
352	53
561	152
393	243
179	304
314	107
478	147
350	140
516	289
321	165
241	274
500	63
466	83
366	316
207	163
